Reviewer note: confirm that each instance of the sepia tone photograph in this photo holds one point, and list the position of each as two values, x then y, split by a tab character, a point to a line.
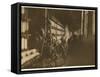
53	38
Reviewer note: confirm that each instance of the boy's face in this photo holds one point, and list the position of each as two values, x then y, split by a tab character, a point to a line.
66	29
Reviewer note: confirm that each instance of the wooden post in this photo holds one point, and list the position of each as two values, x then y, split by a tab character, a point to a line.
86	24
93	24
82	22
